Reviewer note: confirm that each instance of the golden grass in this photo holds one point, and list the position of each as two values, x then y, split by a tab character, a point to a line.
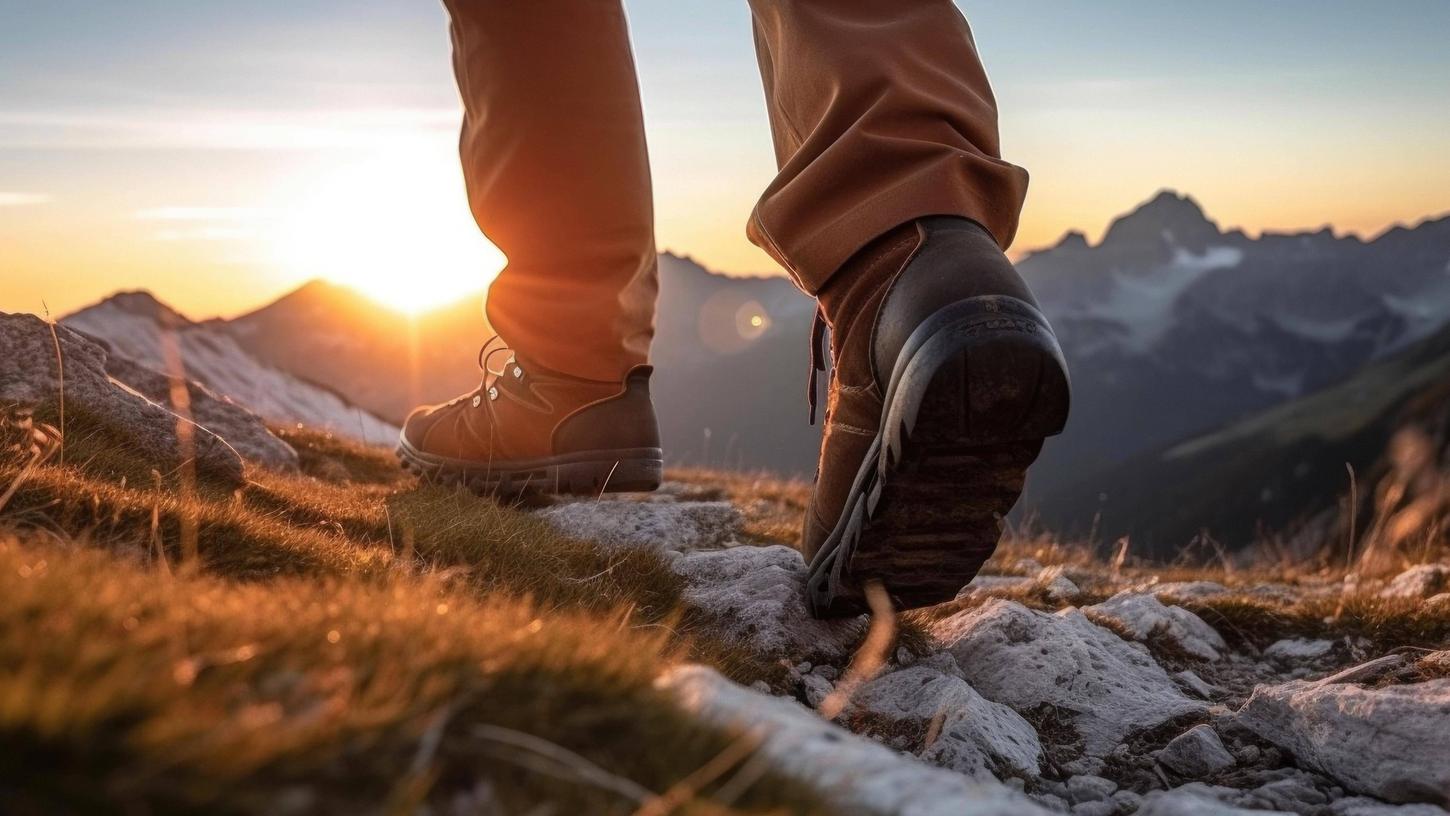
346	640
126	691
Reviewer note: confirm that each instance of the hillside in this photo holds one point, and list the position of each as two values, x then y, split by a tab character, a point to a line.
177	634
1285	473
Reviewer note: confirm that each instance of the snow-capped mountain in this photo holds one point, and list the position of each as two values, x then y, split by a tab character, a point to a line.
1173	326
133	325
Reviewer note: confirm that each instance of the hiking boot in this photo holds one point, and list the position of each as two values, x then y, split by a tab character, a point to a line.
946	380
527	429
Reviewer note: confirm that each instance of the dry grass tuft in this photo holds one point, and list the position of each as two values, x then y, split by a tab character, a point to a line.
125	692
349	642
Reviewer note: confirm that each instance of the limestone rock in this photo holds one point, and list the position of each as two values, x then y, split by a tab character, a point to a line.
974	736
1390	743
1420	581
1293	650
1178	591
1195	684
1197	753
1027	659
857	775
1143	616
1058	587
1089	788
756	596
1194	799
243	430
1365	806
1097	807
28	379
683	526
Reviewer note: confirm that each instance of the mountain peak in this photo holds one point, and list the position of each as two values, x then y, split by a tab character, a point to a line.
142	303
1169	218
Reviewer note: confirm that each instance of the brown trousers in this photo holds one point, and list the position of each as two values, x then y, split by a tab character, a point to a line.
880	110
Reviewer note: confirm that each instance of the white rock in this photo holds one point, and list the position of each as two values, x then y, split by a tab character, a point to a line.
1196	753
1099	807
666	526
1128	801
755	596
133	325
975	736
1191	681
1364	806
1183	590
1391	743
1058	587
1144	616
1297	649
817	689
242	429
1088	788
1420	581
28	379
994	585
1026	659
1294	790
1194	799
856	775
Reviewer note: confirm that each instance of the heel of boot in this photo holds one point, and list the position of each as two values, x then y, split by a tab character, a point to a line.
981	371
972	395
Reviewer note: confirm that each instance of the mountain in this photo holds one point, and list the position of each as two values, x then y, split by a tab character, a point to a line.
1173	326
133	326
732	357
1280	471
730	354
385	361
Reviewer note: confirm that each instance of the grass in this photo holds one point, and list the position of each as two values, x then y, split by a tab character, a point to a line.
343	641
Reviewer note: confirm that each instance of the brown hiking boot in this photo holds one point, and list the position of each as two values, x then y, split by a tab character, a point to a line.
527	429
946	380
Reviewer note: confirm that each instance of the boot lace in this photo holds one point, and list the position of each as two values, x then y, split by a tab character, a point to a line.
818	361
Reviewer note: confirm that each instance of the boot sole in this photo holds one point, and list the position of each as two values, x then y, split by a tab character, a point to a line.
586	473
973	394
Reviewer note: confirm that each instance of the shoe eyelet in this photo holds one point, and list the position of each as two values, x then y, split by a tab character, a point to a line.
477	400
493	393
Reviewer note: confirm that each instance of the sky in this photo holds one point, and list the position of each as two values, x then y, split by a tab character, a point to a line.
221	154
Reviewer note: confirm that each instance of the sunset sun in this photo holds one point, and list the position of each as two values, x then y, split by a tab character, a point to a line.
393	224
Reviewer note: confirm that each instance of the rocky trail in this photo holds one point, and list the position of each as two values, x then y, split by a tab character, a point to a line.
1098	696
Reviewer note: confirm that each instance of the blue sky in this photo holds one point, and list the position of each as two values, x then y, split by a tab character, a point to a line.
141	142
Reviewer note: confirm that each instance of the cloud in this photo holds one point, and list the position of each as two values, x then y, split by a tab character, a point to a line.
222	129
23	199
205	234
198	214
189	223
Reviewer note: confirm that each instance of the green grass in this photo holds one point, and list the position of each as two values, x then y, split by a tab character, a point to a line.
344	641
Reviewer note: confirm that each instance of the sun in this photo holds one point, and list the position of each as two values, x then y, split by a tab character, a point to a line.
392	222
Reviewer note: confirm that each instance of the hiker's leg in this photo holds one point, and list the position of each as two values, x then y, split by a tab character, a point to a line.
881	113
893	208
554	158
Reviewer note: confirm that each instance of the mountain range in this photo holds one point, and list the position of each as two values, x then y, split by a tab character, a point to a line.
1173	326
1175	329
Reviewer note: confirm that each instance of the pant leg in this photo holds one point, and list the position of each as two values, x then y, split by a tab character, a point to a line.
555	163
881	113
